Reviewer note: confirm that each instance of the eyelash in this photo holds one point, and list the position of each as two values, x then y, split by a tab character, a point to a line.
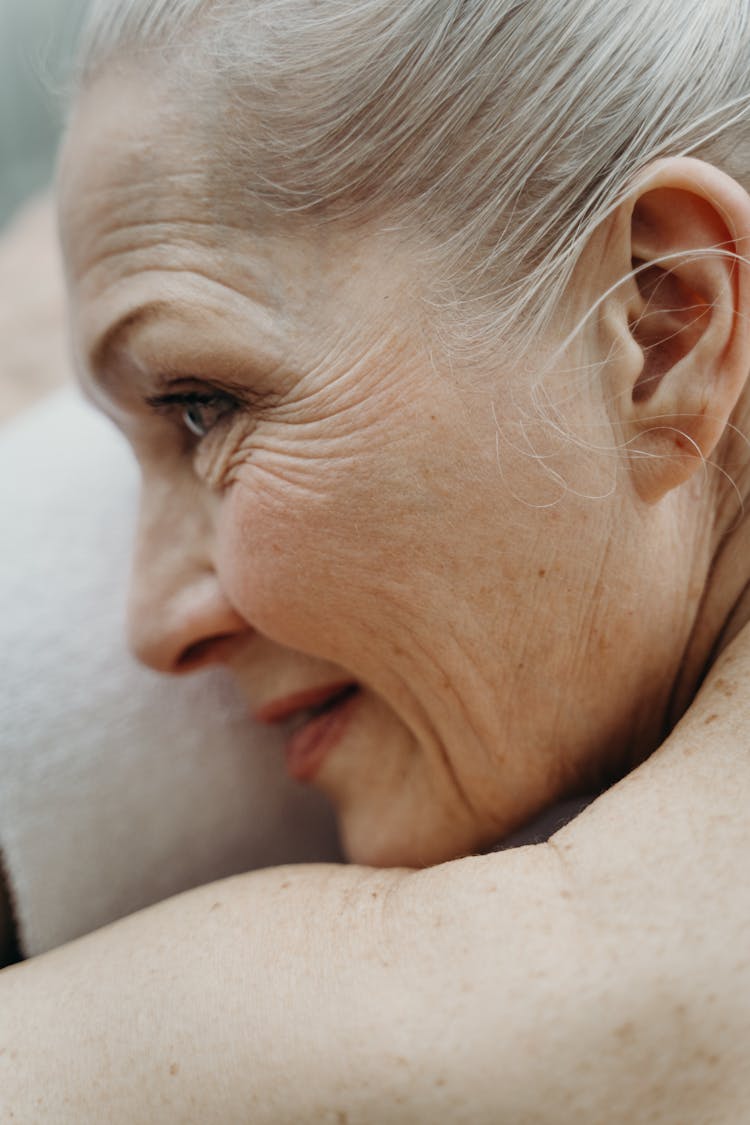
180	405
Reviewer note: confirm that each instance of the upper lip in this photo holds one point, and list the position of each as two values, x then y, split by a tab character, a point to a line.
280	709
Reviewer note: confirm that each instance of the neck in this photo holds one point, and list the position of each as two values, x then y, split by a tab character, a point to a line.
724	607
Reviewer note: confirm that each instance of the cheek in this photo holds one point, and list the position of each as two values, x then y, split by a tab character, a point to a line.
360	534
323	544
295	550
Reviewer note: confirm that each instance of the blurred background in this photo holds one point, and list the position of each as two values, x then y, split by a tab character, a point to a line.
36	44
37	39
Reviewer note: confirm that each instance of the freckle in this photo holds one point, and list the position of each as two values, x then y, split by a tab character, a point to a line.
625	1032
440	1082
342	1118
174	1069
725	688
688	751
542	573
216	906
373	894
711	719
285	886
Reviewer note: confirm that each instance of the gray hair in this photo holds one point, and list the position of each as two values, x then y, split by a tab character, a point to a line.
505	130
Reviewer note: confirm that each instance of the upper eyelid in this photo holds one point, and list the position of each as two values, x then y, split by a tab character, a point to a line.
178	398
175	389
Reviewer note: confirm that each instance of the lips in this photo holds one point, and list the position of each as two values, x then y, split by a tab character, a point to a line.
316	720
313	699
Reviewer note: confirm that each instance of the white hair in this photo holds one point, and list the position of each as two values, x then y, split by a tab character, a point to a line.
506	130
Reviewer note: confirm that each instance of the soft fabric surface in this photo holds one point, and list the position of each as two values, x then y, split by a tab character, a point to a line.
118	787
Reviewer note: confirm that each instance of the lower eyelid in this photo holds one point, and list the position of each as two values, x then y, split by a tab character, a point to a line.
219	452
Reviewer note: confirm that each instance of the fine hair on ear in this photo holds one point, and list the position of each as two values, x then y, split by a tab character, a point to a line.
502	132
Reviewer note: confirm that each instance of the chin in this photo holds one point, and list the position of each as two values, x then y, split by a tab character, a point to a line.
372	843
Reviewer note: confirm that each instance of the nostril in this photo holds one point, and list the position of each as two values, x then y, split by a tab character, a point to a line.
210	650
181	621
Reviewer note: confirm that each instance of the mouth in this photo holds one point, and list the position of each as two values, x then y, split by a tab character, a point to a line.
314	722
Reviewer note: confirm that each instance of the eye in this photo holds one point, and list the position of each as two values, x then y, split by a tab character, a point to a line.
201	413
197	411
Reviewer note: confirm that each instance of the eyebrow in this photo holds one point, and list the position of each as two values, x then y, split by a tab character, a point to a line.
105	370
102	353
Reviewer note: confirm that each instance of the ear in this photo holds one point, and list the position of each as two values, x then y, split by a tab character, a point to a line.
677	332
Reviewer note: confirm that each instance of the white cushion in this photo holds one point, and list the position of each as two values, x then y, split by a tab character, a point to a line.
118	787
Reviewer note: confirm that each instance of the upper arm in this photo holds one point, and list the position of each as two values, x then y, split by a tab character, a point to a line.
601	977
480	992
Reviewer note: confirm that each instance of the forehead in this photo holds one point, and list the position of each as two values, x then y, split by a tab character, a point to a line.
142	226
130	159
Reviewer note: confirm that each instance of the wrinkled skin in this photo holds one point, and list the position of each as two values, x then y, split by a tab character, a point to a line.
363	506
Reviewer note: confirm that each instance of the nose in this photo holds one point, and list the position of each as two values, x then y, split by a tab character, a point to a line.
178	616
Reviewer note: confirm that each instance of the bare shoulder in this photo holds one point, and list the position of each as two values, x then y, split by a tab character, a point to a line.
689	799
617	953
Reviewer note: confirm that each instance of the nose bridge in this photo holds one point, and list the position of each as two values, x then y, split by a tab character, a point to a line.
175	600
167	546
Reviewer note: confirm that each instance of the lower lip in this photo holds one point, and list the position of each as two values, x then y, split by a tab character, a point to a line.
308	747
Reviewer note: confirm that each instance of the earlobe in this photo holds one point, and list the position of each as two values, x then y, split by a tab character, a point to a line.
678	328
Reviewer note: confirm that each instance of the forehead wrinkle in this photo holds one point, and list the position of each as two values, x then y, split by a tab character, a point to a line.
103	219
120	238
109	196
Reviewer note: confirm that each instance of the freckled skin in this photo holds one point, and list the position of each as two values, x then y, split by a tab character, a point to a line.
375	516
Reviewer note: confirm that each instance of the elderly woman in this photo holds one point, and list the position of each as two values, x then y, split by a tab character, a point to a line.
428	325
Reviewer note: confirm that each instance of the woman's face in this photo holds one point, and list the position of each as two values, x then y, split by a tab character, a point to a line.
330	501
